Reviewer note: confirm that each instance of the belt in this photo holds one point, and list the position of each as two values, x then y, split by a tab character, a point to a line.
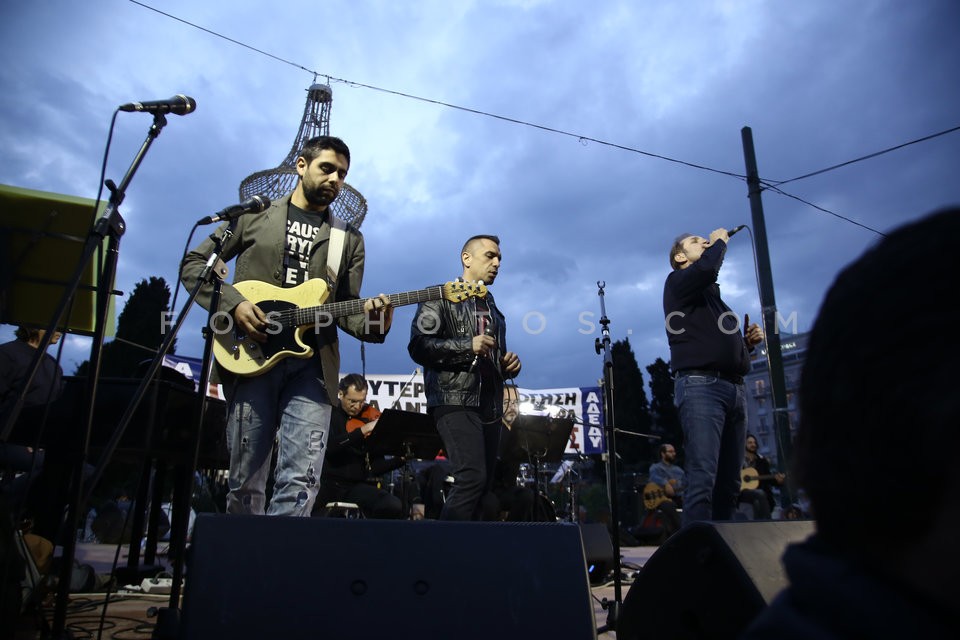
729	377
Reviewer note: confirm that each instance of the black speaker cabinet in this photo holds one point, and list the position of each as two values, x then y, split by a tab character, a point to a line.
709	580
598	548
256	577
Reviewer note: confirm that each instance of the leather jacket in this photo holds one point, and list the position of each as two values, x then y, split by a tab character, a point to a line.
441	339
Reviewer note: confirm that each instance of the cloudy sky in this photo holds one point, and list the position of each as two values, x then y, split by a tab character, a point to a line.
613	126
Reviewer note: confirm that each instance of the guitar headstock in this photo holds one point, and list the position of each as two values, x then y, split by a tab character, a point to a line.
460	291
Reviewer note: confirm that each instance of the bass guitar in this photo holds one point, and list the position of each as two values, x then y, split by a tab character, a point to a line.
653	496
292	311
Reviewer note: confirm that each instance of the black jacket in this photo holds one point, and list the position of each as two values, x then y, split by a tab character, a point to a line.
441	339
702	331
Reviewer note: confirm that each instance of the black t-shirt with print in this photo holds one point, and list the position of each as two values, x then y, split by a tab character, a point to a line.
302	229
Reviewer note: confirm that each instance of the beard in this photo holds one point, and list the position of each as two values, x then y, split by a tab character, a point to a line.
319	195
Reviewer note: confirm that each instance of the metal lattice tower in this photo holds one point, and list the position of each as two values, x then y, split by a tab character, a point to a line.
350	205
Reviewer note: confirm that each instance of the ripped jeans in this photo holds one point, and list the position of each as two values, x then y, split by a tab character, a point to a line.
288	405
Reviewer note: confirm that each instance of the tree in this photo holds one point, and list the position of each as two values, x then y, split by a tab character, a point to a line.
138	338
139	332
666	420
630	407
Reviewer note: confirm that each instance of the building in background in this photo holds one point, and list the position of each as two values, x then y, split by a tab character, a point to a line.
760	418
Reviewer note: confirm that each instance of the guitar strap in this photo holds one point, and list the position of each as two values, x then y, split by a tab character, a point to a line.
338	233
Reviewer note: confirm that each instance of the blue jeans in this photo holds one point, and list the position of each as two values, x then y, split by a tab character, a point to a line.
713	417
287	404
471	447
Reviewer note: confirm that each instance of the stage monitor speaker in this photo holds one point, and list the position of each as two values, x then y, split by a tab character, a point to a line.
598	549
709	580
255	577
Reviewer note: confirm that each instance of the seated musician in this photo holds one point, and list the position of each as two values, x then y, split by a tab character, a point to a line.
663	494
757	481
350	472
20	464
516	501
668	475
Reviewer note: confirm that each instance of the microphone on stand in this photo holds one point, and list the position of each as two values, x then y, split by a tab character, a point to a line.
406	384
178	104
255	204
735	229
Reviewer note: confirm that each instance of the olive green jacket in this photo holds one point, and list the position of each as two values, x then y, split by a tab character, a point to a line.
258	244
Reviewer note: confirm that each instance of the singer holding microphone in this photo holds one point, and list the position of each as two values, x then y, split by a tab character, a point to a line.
291	402
463	350
709	356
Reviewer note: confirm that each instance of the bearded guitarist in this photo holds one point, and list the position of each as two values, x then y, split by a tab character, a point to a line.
295	241
757	480
667	475
662	496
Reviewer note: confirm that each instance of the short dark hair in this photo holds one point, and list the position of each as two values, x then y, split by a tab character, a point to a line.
867	383
472	239
312	148
677	248
26	333
354	380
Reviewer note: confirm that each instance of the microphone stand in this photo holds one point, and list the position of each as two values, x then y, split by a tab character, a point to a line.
111	226
613	608
573	476
168	619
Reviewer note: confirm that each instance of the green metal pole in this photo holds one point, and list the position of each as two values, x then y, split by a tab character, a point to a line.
769	312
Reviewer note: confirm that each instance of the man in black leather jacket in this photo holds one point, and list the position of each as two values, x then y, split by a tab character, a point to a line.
462	347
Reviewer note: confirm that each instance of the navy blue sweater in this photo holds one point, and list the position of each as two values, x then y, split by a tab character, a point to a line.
702	330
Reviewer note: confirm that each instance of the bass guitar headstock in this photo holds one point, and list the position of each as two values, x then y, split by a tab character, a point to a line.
458	291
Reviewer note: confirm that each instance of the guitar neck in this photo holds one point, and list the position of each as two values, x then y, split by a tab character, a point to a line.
309	315
750	477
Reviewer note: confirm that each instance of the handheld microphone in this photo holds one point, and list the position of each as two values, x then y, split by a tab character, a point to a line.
256	204
735	229
178	104
476	358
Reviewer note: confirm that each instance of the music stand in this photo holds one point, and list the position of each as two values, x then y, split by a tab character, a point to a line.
536	439
406	434
42	237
